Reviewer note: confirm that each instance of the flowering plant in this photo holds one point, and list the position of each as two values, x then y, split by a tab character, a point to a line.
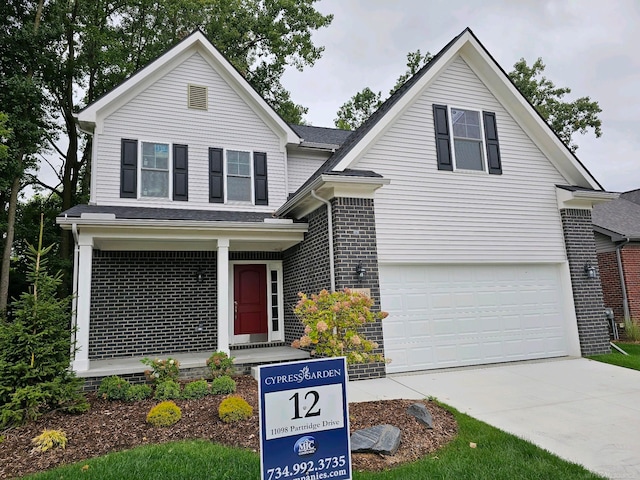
333	324
161	370
220	364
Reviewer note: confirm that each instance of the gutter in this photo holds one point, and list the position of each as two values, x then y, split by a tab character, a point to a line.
623	283
330	228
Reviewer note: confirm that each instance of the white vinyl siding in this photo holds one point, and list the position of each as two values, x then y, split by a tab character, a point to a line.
431	216
456	315
301	165
161	111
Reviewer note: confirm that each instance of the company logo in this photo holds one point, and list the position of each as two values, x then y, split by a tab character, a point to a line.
305	446
304	374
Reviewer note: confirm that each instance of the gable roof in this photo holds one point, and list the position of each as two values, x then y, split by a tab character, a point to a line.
467	45
90	117
321	136
620	218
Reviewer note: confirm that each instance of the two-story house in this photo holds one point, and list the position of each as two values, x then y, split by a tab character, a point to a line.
454	206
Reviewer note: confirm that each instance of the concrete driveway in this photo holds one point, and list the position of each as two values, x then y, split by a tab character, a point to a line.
584	411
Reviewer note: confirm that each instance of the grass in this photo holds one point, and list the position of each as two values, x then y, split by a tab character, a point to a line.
616	358
498	455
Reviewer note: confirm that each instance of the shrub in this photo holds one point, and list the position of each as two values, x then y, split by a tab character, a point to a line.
113	388
162	370
234	409
167	390
50	439
223	385
220	364
632	330
164	414
138	392
333	323
34	349
197	389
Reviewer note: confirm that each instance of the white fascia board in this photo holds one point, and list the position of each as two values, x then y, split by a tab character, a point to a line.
91	116
329	186
177	225
497	81
583	199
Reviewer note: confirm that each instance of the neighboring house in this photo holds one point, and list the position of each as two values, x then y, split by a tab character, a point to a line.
455	206
617	232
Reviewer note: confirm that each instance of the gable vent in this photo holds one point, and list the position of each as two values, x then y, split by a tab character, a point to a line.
197	97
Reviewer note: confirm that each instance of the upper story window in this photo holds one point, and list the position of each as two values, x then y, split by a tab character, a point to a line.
154	173
238	176
162	172
466	140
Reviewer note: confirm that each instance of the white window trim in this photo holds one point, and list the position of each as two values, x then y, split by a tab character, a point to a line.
251	178
271	335
485	166
169	196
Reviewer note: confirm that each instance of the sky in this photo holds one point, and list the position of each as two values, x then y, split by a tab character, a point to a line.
590	46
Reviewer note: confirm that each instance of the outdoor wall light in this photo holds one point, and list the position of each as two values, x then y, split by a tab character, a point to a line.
590	270
360	271
199	276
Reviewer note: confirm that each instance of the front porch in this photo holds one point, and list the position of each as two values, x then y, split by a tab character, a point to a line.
192	364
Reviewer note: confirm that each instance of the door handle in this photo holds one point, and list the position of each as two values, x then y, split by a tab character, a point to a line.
235	310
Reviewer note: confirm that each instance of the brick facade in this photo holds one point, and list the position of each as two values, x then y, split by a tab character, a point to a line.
354	240
631	269
151	303
593	331
611	287
306	266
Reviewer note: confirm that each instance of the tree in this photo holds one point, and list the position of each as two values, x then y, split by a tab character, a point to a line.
564	117
34	350
23	100
356	111
361	106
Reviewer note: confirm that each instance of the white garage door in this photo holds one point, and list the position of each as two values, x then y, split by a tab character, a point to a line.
456	315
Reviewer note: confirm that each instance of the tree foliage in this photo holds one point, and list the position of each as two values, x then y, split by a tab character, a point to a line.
564	117
35	350
355	111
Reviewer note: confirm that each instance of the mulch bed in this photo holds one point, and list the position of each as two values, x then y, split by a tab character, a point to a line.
114	426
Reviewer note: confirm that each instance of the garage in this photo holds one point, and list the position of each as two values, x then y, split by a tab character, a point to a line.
457	315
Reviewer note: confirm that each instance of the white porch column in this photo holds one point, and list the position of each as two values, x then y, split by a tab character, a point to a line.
223	295
83	303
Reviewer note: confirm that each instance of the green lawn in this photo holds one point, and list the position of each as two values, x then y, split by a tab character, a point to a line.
616	358
498	456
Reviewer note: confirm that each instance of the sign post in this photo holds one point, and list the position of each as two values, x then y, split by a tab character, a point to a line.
304	420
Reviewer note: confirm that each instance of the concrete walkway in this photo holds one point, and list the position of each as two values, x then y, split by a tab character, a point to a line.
583	411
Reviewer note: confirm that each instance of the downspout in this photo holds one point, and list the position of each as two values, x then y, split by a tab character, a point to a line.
330	227
623	283
74	298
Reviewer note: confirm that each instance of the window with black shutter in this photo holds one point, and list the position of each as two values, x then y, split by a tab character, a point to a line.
460	143
216	175
128	168
260	178
180	173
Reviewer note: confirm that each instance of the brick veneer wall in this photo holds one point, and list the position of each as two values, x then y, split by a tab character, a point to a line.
610	279
631	267
354	230
593	331
148	303
305	269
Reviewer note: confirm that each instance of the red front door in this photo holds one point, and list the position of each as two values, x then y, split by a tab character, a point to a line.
250	299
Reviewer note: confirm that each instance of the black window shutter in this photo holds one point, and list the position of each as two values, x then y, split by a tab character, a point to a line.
493	148
181	173
216	175
443	144
128	168
260	178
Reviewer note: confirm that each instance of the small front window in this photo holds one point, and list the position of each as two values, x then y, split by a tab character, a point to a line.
155	170
467	139
238	176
